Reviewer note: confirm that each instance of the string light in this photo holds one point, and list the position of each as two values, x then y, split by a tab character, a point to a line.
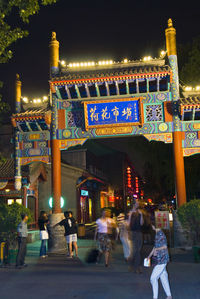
35	100
63	63
81	64
188	88
147	58
162	54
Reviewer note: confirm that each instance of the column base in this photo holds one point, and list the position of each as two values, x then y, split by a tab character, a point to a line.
57	241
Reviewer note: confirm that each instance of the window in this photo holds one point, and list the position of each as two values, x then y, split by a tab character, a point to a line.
43	125
163	84
197	115
112	89
102	90
142	86
152	85
92	89
82	91
122	88
62	92
73	93
24	127
132	87
188	115
33	126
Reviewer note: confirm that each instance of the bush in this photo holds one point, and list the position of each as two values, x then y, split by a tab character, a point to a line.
189	216
10	217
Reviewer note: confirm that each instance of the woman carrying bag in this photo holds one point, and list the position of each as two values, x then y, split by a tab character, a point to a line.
160	258
44	236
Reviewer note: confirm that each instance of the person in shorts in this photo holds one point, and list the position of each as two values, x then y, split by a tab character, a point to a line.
70	226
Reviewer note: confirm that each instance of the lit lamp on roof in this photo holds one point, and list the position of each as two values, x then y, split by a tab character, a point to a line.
25	99
147	58
162	54
45	98
197	88
125	60
188	88
63	63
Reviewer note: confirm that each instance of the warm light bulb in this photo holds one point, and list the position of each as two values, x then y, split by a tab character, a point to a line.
63	63
125	60
162	53
25	99
197	88
188	88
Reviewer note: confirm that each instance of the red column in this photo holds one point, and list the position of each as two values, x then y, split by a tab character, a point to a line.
36	206
56	175
179	168
24	200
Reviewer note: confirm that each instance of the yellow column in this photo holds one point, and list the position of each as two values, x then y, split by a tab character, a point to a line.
170	33
18	94
54	53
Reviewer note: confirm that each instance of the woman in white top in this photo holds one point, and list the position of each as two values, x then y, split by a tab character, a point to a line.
103	230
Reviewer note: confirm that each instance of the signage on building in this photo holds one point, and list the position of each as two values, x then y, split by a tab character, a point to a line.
162	219
84	193
112	112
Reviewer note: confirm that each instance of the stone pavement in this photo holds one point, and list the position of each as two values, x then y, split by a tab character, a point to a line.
60	278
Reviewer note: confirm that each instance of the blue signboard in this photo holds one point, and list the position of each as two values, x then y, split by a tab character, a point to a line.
108	113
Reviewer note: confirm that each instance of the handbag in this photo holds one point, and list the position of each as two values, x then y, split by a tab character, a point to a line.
44	235
147	262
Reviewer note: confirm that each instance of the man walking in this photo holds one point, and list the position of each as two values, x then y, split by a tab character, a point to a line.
136	221
22	232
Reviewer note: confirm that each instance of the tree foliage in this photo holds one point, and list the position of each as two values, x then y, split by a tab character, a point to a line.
189	62
10	34
10	217
189	216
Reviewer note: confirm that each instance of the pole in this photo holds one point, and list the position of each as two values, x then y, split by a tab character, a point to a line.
170	33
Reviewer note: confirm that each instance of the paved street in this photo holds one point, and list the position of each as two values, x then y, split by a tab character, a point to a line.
59	278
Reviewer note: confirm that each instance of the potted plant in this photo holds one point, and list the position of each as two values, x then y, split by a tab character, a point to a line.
10	217
189	216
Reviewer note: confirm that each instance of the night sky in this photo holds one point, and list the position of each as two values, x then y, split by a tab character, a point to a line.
93	30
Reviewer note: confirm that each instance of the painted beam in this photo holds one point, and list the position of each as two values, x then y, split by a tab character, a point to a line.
117	87
77	91
68	92
97	90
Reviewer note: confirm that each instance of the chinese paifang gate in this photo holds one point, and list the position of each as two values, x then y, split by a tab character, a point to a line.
107	99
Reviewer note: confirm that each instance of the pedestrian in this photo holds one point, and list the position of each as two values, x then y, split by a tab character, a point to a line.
103	232
70	226
135	223
22	233
161	258
44	236
122	224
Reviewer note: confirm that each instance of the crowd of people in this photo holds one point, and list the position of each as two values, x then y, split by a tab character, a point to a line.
129	228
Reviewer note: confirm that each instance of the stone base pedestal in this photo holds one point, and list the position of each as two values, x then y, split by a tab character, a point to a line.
57	242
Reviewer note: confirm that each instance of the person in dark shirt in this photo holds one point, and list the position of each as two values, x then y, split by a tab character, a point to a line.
70	226
135	222
44	236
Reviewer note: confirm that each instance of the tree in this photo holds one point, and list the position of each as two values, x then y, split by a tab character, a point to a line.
24	10
189	62
9	34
